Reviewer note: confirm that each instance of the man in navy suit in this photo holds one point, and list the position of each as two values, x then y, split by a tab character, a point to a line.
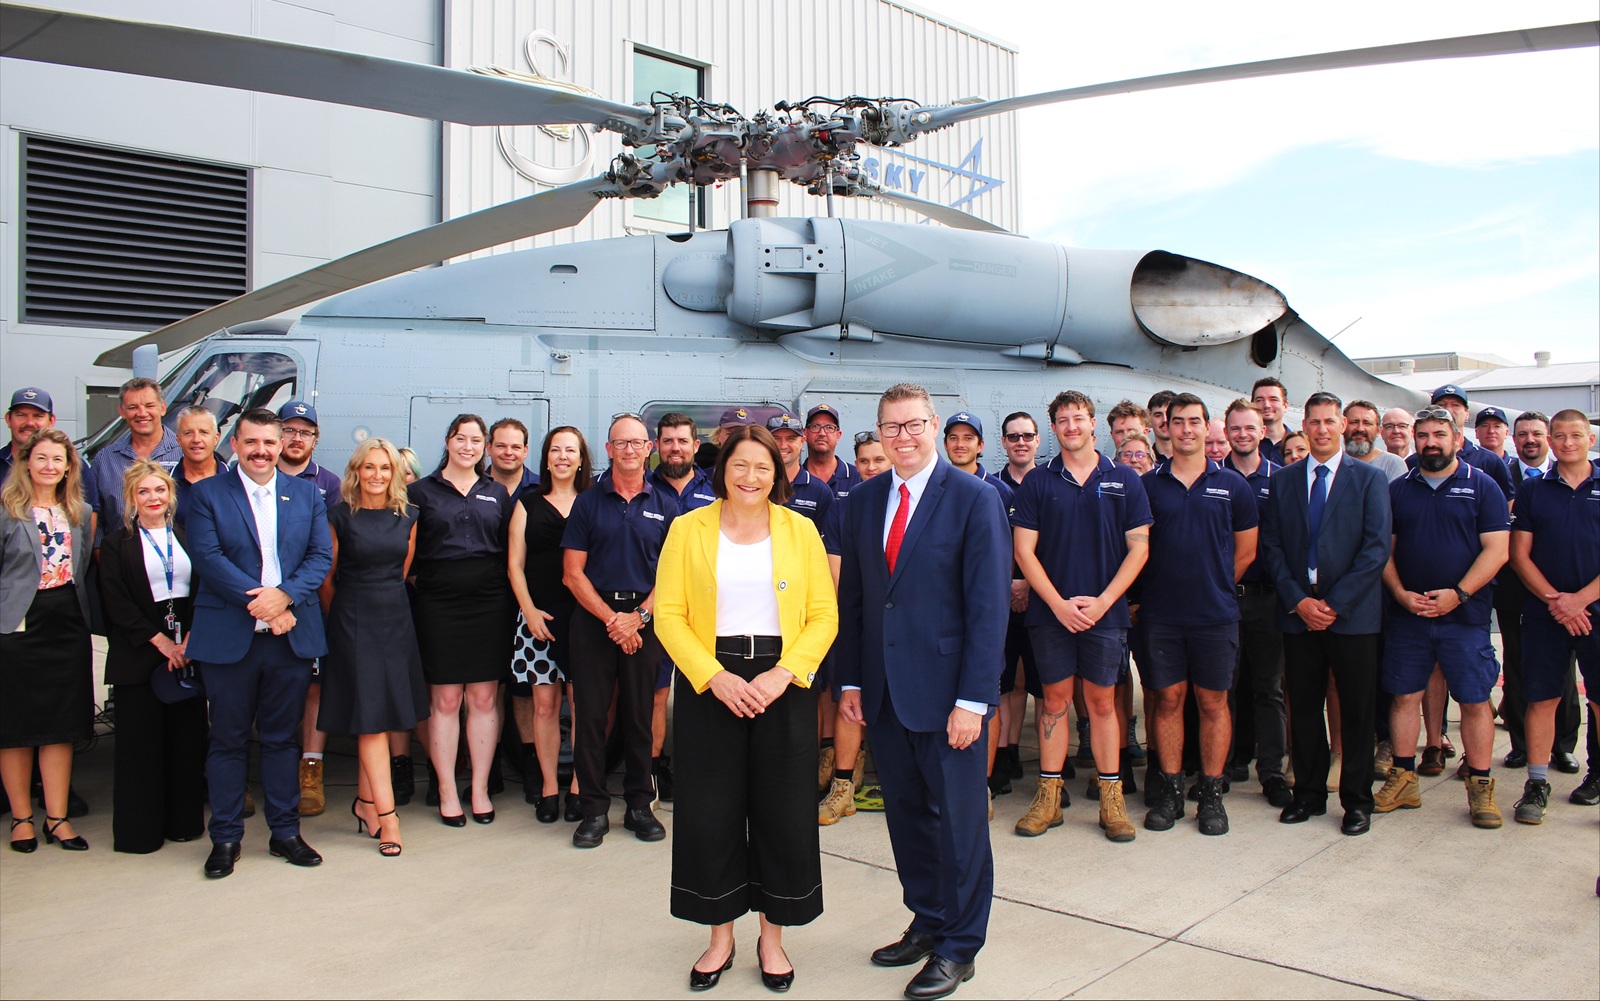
1326	535
924	598
260	545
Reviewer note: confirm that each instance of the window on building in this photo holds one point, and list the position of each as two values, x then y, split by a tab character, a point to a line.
681	203
127	239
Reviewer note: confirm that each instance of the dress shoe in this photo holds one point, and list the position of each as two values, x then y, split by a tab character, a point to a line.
1356	822
1516	759
220	862
591	832
572	812
483	818
939	978
775	982
459	820
1588	792
1277	791
72	844
294	850
1565	763
644	824
26	846
1300	811
701	981
913	947
547	809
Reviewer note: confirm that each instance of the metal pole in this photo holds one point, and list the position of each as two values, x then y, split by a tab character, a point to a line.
763	194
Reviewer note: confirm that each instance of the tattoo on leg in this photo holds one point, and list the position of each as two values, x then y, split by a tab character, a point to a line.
1050	721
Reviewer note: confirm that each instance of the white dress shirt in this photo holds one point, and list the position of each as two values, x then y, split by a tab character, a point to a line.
1311	484
264	505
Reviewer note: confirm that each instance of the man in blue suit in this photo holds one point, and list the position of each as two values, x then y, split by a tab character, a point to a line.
1326	534
260	545
924	598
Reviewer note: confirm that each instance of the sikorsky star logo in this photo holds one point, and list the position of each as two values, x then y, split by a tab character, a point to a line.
967	173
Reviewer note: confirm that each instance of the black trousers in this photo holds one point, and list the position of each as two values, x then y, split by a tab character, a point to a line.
745	834
599	668
1513	707
1309	657
1259	717
159	768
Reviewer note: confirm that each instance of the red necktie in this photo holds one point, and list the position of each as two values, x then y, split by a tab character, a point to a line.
897	528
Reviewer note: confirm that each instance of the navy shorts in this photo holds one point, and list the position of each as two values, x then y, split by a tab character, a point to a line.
1204	656
1546	650
1019	646
664	672
1412	645
1059	654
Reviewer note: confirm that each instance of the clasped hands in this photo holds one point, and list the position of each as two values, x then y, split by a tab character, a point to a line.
624	629
271	605
1430	604
749	699
1316	614
1570	611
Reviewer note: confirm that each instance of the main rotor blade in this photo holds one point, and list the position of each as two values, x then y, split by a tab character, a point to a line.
545	212
1563	36
952	217
270	67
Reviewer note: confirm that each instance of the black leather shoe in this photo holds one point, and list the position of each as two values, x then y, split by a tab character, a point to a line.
700	981
644	824
572	812
1300	811
939	978
1517	759
482	818
459	820
591	832
546	809
1356	822
1565	763
775	982
294	850
1276	789
913	947
220	862
1588	792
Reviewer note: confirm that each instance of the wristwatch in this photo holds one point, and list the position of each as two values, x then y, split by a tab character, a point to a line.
1462	594
644	616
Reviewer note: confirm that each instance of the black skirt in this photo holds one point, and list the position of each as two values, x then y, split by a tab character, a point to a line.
465	614
46	680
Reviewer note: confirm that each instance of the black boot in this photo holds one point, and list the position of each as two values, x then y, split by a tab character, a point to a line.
1125	761
1213	817
402	778
661	768
1167	791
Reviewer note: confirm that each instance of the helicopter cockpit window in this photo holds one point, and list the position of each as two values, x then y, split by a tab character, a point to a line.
229	384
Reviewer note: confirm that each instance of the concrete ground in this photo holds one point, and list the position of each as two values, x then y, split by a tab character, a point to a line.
1423	906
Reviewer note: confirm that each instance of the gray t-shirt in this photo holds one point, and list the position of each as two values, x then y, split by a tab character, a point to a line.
1392	465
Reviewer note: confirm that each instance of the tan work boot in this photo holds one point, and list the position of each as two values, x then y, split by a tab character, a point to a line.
825	768
1400	792
312	799
1114	812
1480	802
1045	810
838	804
858	776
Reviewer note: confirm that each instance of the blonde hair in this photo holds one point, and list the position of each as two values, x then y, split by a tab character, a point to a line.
412	463
137	471
350	488
17	494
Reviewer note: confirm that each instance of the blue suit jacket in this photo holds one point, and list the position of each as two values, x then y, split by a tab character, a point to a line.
227	559
935	630
1352	547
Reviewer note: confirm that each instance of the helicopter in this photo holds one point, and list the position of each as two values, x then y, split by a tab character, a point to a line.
770	311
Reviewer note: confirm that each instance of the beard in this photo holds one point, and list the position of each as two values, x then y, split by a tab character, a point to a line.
676	470
1435	462
1360	448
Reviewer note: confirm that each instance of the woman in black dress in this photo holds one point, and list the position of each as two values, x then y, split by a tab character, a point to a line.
545	605
46	681
464	611
147	583
372	681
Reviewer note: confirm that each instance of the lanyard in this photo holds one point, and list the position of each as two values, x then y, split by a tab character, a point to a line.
166	561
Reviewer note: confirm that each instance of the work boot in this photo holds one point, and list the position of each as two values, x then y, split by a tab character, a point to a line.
1114	812
1167	809
1085	751
1400	791
1383	757
312	799
858	775
1480	802
839	803
1135	752
825	768
1212	815
1045	810
1535	797
402	778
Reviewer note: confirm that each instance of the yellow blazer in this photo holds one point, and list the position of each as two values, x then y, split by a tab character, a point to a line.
686	594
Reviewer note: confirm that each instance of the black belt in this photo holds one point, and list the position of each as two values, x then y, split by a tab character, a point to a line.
1255	587
749	647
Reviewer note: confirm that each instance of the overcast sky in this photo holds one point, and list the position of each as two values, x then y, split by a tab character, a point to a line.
1448	205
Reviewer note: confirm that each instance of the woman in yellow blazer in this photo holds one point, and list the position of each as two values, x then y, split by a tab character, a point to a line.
745	607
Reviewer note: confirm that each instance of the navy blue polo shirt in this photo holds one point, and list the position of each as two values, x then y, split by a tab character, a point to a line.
622	537
530	480
1007	479
1261	488
844	479
1273	450
456	526
327	482
1008	496
1082	530
1188	580
697	493
1436	533
1565	525
812	497
1474	454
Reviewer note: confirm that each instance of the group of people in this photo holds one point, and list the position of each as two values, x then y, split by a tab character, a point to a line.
808	607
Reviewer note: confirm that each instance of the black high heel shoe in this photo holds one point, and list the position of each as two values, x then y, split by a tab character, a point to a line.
73	844
459	820
388	849
778	982
483	818
701	981
361	822
26	846
547	808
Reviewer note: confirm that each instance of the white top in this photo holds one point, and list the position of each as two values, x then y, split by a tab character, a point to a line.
1311	486
747	603
916	485
155	564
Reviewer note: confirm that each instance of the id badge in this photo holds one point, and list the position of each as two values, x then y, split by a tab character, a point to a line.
177	633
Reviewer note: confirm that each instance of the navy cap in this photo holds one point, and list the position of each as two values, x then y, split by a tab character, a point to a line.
175	686
298	410
785	422
1450	390
964	418
1490	414
822	408
32	396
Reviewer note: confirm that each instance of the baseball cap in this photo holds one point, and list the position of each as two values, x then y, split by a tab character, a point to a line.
1450	390
964	418
298	410
1490	414
821	408
785	422
32	396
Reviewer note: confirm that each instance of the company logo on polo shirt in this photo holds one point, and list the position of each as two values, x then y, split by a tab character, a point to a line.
802	502
654	516
1219	492
1112	487
1463	491
705	497
487	497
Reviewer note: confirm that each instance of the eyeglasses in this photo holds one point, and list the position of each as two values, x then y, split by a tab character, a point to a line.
862	437
1397	427
830	428
892	429
629	444
1016	436
300	433
1140	456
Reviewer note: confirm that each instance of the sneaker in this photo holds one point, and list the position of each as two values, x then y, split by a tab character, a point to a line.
1212	816
1114	812
1484	810
825	768
838	804
1044	812
1535	797
1400	791
1168	806
1432	761
312	798
1588	792
1383	757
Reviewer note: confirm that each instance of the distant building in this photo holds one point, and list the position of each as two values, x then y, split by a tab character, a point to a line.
1489	379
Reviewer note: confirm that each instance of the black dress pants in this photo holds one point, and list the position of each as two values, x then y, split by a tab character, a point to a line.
745	834
1259	719
159	768
599	668
1309	658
